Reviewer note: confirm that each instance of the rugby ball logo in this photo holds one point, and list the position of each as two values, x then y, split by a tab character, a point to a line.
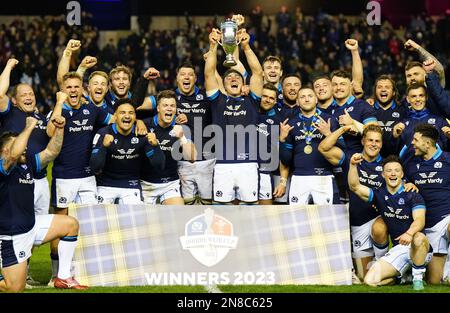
209	237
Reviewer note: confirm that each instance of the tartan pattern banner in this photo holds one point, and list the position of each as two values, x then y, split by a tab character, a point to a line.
123	245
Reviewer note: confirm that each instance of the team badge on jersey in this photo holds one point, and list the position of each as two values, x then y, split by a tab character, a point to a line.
432	121
396	114
438	165
86	112
401	201
134	140
209	237
199	97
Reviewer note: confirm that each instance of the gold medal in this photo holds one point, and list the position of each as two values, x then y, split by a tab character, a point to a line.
308	149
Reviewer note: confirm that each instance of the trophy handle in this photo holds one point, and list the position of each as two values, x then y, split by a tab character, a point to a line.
219	42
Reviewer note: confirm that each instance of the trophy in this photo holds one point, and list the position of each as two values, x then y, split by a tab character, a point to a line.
229	41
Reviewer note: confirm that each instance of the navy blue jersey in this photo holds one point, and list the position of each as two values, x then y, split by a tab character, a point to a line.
387	120
432	177
13	120
198	111
330	109
370	176
396	209
111	98
166	141
360	111
235	113
17	197
267	122
415	118
287	112
73	161
314	163
122	161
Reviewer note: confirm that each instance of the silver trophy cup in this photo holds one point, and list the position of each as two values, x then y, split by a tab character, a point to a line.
229	41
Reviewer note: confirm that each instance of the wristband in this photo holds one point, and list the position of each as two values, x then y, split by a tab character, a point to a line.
183	140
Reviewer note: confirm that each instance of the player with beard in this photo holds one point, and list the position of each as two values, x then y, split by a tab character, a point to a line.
194	111
312	180
268	121
116	157
235	175
13	114
72	179
273	71
119	78
20	228
403	132
404	213
429	169
388	111
291	84
164	185
350	111
416	73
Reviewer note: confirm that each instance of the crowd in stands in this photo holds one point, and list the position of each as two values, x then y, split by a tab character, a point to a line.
307	45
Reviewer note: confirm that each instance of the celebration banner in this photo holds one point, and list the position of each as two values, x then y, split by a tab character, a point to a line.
125	245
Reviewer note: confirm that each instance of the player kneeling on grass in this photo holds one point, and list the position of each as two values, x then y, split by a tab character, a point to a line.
404	214
20	229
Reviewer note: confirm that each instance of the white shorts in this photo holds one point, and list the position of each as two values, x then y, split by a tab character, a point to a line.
152	192
109	195
236	181
362	239
276	181
196	178
320	188
399	257
76	190
265	186
41	196
17	249
438	236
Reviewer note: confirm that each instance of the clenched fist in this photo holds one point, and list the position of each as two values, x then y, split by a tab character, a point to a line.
356	158
88	62
151	73
398	130
12	63
73	45
61	97
151	137
351	44
59	121
107	140
30	122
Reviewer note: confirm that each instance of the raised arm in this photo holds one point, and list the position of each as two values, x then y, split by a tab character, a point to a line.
330	150
357	67
411	45
353	179
86	64
187	146
211	84
20	144
54	146
64	64
61	97
4	83
256	80
139	99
